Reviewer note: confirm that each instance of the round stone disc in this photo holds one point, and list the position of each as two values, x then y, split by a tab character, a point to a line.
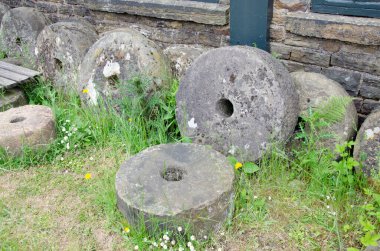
117	58
176	183
237	99
60	49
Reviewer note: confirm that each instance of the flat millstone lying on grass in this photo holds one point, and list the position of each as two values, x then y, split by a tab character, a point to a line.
237	99
174	185
30	125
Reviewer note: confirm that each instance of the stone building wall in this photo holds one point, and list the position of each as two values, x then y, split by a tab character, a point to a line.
346	49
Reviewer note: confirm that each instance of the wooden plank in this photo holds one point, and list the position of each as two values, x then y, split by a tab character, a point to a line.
5	83
12	75
19	70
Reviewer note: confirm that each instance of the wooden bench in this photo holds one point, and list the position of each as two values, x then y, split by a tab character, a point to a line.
12	75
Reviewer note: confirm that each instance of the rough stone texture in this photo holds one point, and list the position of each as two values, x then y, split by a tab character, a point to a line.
369	105
350	80
357	61
20	28
12	98
118	57
60	50
373	248
206	13
354	30
314	89
182	56
175	185
237	99
3	9
292	5
30	125
367	145
370	87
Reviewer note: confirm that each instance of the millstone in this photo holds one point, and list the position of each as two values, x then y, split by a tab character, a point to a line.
176	184
20	28
3	9
367	144
12	98
30	125
237	99
60	50
314	89
115	60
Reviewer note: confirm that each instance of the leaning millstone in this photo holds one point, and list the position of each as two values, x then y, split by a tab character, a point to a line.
239	100
115	60
3	9
175	185
60	50
12	98
20	28
367	144
182	56
315	90
31	125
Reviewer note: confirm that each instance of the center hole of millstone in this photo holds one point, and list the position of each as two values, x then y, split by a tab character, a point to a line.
17	120
113	80
58	64
172	174
224	107
18	41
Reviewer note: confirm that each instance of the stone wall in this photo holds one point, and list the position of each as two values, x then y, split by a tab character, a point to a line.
346	49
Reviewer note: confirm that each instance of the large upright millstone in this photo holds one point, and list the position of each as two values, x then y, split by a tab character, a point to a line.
176	184
237	99
314	90
30	125
116	59
367	144
20	28
60	49
3	9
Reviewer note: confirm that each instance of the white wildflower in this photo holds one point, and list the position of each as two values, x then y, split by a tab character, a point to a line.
136	247
179	229
192	238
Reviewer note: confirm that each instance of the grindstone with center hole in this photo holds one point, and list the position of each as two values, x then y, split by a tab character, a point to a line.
237	99
20	28
115	60
60	49
174	185
26	126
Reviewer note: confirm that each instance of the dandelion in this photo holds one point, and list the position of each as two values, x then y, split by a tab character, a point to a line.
179	229
238	165
89	176
192	238
126	229
130	120
85	91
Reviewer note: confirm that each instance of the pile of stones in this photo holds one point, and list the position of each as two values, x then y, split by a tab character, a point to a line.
238	100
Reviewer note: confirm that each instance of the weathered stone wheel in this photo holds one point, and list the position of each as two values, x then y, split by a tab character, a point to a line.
237	99
30	125
3	9
314	89
115	59
12	98
20	28
367	144
176	184
60	49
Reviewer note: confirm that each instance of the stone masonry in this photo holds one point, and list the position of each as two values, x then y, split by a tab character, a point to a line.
345	49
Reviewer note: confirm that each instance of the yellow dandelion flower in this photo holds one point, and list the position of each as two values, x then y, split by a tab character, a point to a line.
130	120
127	230
85	91
88	176
238	165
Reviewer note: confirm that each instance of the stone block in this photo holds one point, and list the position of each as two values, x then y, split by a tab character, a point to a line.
357	30
292	5
369	105
357	61
294	66
277	33
350	80
310	56
358	102
47	7
370	87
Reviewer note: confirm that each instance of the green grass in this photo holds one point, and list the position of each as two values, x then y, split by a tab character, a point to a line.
299	200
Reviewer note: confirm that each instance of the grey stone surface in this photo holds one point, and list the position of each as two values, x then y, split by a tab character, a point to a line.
367	144
30	125
293	5
350	80
176	184
182	56
20	28
373	248
12	98
60	49
314	89
237	99
369	105
370	87
115	59
3	9
364	62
